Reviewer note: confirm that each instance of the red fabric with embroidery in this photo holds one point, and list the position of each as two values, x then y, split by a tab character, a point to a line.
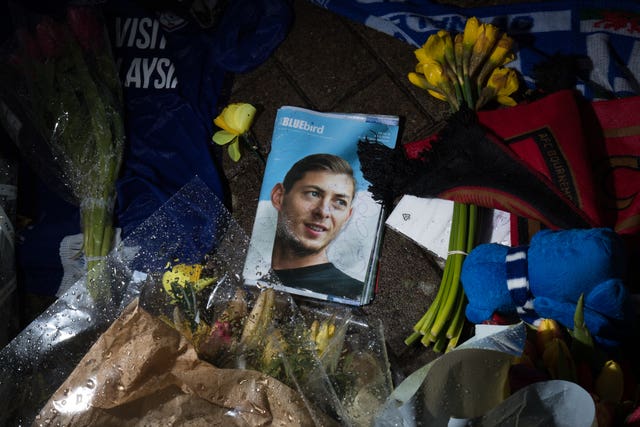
590	151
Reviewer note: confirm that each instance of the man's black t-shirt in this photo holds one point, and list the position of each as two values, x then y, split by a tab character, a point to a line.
322	278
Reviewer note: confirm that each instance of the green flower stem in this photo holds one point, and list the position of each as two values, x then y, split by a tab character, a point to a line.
457	324
251	142
459	230
468	92
443	322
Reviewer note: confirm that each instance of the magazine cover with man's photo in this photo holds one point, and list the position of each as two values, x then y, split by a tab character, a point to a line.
317	229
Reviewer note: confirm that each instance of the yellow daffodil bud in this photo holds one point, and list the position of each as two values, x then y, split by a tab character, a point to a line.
502	53
487	38
235	120
609	385
458	49
181	274
471	31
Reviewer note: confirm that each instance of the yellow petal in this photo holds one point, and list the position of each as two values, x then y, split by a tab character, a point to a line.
419	81
234	150
434	48
502	52
506	100
503	81
222	124
511	83
181	274
471	30
223	137
239	116
437	95
236	118
434	74
487	37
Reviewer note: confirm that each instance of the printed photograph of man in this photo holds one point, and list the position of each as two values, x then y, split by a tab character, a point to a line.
314	202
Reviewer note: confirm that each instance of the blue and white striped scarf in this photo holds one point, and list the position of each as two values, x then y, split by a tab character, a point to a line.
518	284
607	33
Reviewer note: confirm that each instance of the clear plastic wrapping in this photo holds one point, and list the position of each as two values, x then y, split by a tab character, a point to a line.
8	280
62	106
241	355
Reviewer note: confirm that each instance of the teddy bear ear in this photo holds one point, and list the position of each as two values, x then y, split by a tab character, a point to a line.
484	280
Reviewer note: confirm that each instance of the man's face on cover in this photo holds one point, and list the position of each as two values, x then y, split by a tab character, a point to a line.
314	210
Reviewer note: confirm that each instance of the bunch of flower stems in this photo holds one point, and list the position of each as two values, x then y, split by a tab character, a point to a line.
75	100
463	70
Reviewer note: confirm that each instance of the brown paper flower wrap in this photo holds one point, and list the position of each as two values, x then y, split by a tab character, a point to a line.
141	371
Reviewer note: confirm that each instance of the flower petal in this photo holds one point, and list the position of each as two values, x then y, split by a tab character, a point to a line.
243	117
223	137
419	81
237	117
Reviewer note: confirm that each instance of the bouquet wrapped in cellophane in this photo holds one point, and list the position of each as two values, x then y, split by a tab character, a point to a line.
185	340
62	106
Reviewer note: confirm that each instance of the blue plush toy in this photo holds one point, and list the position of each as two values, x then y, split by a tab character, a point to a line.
546	278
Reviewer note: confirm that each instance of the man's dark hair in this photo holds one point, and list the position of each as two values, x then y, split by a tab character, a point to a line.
317	162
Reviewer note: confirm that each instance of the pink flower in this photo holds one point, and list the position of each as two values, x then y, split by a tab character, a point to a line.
86	27
222	331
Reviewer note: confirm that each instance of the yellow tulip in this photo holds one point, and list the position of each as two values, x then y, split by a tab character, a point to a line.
547	330
235	120
609	385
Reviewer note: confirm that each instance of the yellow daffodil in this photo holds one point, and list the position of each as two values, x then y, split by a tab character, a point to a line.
235	120
471	31
501	55
445	66
433	50
502	83
505	81
436	76
458	49
483	47
184	275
